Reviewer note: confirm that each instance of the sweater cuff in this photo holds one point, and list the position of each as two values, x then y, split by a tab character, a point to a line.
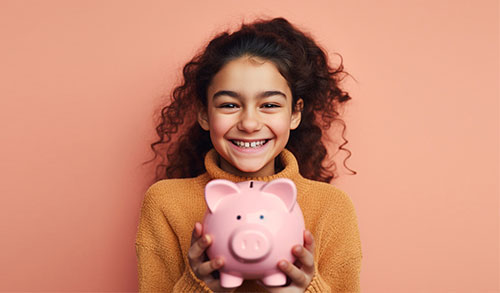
190	283
317	284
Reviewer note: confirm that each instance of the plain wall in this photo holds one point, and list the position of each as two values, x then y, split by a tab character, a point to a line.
80	82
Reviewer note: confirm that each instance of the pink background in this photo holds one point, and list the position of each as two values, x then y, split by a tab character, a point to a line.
80	80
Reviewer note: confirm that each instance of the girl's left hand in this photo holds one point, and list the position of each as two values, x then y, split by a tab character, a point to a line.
300	273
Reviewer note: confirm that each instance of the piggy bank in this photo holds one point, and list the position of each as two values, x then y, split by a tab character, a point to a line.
253	225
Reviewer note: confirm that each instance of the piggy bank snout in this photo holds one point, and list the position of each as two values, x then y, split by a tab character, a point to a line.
250	245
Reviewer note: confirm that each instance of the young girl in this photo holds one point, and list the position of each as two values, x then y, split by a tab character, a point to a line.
253	105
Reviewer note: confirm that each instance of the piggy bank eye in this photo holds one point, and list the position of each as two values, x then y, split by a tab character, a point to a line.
238	217
261	217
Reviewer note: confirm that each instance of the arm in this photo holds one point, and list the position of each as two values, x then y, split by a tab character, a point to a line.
339	257
160	263
343	278
153	273
156	246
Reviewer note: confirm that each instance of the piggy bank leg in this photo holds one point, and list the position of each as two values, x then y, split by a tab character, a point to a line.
276	279
230	281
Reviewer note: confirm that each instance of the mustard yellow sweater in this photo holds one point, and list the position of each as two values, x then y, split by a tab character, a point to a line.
172	206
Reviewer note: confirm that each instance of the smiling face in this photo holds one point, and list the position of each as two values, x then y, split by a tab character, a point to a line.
249	116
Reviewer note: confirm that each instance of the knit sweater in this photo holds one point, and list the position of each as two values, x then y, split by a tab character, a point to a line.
171	207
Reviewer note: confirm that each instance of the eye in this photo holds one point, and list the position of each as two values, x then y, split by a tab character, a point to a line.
261	217
238	217
228	106
270	106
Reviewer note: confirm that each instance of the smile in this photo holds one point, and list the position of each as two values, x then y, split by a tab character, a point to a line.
248	144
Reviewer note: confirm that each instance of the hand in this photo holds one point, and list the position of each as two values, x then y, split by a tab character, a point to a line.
197	260
300	273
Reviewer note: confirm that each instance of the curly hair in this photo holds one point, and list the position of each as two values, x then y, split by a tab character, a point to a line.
182	143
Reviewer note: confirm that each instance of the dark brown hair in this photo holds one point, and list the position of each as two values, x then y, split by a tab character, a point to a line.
182	143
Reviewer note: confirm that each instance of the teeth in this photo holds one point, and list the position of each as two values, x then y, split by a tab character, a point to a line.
253	144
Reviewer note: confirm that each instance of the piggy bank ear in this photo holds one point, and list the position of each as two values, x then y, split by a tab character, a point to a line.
284	189
216	190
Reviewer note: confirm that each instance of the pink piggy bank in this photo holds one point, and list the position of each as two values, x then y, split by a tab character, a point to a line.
253	225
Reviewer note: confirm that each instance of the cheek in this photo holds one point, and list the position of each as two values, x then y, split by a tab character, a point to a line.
219	126
281	128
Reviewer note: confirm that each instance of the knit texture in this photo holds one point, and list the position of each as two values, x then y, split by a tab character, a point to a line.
172	206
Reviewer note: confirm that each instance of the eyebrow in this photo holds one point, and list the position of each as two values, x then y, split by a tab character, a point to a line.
236	95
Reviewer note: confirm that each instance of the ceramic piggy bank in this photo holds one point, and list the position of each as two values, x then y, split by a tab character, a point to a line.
253	225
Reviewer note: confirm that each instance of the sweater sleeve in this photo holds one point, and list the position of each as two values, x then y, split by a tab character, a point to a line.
160	263
339	260
342	279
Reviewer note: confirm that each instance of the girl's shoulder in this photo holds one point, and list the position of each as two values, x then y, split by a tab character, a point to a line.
324	196
166	190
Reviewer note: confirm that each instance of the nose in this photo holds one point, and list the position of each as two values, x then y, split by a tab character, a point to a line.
249	121
250	245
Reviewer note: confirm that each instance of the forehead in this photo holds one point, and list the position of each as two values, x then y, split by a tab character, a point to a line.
249	74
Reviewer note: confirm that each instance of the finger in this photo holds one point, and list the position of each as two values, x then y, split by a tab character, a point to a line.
197	232
294	273
196	250
198	228
309	241
206	268
305	257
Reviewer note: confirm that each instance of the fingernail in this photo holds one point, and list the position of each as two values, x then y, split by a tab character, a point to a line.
218	262
205	239
283	264
298	249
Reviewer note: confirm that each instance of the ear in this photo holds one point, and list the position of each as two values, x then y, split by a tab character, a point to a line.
216	190
284	189
297	114
203	119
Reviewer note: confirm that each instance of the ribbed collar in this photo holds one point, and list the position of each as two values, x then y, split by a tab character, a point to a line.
291	168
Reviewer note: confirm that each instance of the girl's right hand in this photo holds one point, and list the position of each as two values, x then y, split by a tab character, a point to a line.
201	268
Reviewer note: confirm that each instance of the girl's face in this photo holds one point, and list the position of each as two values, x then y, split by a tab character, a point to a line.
249	116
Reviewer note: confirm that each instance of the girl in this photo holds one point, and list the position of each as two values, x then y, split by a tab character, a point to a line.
253	105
